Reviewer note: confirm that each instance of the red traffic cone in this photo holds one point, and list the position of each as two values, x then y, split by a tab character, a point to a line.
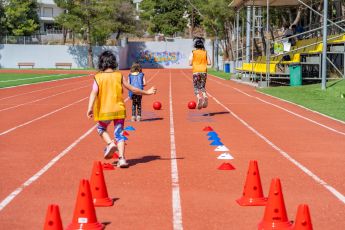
207	128
84	213
226	166
98	187
275	216
252	191
303	220
53	218
108	166
125	133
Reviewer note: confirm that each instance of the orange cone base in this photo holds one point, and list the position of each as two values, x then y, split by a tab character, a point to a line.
258	201
103	202
86	226
275	225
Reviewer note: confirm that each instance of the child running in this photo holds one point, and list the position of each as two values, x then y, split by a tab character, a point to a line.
199	61
136	78
106	104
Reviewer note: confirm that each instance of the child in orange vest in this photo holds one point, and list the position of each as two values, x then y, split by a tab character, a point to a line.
106	104
199	61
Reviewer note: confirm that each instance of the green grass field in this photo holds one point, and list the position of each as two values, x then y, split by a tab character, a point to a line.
220	74
330	102
15	79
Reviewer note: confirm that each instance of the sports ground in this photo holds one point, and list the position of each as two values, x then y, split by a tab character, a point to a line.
173	182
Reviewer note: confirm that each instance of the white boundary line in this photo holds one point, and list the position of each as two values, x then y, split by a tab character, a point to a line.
66	78
23	79
176	203
39	90
38	118
41	99
35	177
286	110
333	191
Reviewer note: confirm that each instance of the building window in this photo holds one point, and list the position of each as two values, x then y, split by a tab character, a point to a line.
47	12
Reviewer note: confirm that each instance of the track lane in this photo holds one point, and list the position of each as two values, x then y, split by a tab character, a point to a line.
300	185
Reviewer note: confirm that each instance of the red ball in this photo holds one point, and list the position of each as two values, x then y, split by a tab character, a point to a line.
191	105
157	105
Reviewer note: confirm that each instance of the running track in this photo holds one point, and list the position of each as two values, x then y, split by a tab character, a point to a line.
47	145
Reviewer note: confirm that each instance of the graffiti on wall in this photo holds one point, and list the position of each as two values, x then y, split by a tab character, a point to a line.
163	58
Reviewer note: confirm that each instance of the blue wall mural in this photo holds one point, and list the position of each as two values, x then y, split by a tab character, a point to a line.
164	58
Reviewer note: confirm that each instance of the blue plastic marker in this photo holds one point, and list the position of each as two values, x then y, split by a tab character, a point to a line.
216	143
212	133
129	128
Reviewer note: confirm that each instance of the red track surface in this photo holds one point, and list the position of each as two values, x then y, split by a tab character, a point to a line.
35	128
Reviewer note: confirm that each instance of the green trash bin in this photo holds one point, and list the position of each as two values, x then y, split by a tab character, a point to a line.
295	75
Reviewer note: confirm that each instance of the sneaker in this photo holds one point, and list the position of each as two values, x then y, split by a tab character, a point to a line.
205	104
199	103
109	150
133	119
122	163
138	118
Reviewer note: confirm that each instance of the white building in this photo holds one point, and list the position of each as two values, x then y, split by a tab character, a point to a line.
48	10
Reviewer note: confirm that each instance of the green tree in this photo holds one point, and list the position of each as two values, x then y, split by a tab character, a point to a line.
96	20
22	17
3	28
167	17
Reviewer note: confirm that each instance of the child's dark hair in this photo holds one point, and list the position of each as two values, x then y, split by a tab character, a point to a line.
107	60
199	43
136	67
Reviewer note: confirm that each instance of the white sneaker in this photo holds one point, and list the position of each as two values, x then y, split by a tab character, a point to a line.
138	118
205	104
199	103
109	150
122	163
133	118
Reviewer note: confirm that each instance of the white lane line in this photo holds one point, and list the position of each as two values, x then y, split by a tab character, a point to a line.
24	79
301	106
39	90
41	99
336	193
176	203
286	110
35	177
38	118
62	79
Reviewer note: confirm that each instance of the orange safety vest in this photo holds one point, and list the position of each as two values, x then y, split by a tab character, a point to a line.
199	63
109	103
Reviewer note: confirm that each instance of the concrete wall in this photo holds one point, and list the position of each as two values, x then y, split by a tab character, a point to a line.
45	56
160	54
163	54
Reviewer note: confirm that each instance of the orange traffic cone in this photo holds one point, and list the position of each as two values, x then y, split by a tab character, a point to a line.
303	220
98	187
252	191
108	166
84	213
207	128
275	216
53	219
